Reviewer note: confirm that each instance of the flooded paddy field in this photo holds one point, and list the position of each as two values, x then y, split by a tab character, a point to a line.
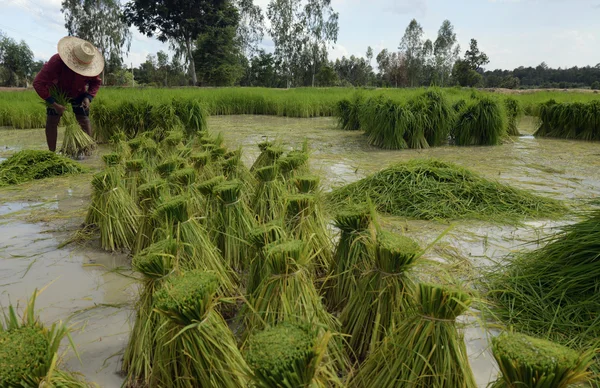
94	289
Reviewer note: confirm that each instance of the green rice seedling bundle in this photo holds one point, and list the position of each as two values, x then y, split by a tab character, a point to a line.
28	165
514	111
134	116
459	105
235	221
426	350
169	165
352	255
268	200
148	150
570	120
163	118
434	105
208	201
305	222
482	122
113	211
532	362
175	221
348	112
553	291
150	195
431	189
199	160
307	184
172	140
197	349
234	168
181	180
290	355
269	154
77	143
29	351
259	238
153	264
103	122
135	176
286	292
386	123
382	298
135	143
193	115
112	159
120	144
293	164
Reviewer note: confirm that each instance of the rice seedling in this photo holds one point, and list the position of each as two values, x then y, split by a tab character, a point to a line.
235	221
210	204
29	351
150	195
134	116
171	141
103	123
432	189
269	154
259	238
120	145
192	114
382	298
482	122
154	264
532	362
426	350
199	160
29	165
306	223
181	180
113	211
352	256
163	118
293	164
434	105
569	120
234	168
169	165
268	200
386	123
148	150
459	105
112	159
348	112
307	184
76	143
290	355
514	111
135	176
197	348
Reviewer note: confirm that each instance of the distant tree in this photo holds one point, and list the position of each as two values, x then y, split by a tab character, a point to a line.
475	58
465	75
264	71
354	71
392	69
251	26
322	28
445	51
287	32
162	67
121	77
412	48
596	85
369	54
16	60
100	22
36	67
327	76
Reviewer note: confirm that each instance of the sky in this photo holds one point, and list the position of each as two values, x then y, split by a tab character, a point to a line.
513	33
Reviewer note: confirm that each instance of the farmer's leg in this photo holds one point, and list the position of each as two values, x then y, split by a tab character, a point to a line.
83	118
52	121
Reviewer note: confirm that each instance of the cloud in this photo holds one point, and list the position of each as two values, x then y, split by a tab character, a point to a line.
338	51
402	7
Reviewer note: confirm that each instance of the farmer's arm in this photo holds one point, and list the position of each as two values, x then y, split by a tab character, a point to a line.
93	86
44	79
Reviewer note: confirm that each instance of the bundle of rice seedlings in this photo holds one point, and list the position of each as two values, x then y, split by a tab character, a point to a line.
381	298
387	124
199	160
150	195
434	105
120	145
135	176
306	223
234	168
135	144
269	154
235	221
426	350
459	105
289	355
348	112
268	200
293	164
181	180
432	189
553	291
133	116
113	211
352	255
112	159
154	264
307	184
77	143
28	165
514	111
192	114
532	362
103	122
208	201
197	348
169	165
259	238
482	122
172	140
163	118
29	351
148	150
571	120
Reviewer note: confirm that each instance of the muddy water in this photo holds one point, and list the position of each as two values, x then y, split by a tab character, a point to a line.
88	286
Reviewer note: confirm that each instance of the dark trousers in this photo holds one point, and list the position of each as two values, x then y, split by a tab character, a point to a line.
53	119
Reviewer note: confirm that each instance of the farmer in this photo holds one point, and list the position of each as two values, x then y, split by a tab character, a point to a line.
75	72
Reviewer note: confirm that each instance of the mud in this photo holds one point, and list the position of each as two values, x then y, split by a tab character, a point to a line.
92	289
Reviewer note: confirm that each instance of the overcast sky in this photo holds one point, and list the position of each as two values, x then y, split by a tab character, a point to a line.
563	33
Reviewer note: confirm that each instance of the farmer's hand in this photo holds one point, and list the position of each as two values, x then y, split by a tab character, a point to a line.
85	104
58	108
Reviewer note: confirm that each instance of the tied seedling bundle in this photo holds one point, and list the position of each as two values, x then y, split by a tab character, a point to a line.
113	211
268	201
307	184
76	143
28	165
135	176
147	150
536	363
193	116
432	189
426	350
170	165
259	238
207	200
382	297
150	195
352	255
514	111
269	154
171	142
306	223
348	112
29	351
181	181
482	122
153	264
294	163
569	120
197	348
290	355
437	114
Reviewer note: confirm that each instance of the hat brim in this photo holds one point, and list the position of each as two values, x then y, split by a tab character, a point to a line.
65	51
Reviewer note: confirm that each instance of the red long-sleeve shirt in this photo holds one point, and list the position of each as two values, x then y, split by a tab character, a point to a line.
55	73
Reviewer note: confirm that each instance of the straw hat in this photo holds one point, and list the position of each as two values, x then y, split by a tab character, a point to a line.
80	56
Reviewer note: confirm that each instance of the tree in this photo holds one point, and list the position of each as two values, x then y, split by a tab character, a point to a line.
100	22
16	60
392	68
179	21
264	71
369	54
251	26
474	57
445	51
327	76
162	63
412	47
465	75
322	28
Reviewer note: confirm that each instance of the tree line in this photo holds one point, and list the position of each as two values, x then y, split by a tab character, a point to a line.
216	43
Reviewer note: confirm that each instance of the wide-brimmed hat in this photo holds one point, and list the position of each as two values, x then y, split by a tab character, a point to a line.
80	56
